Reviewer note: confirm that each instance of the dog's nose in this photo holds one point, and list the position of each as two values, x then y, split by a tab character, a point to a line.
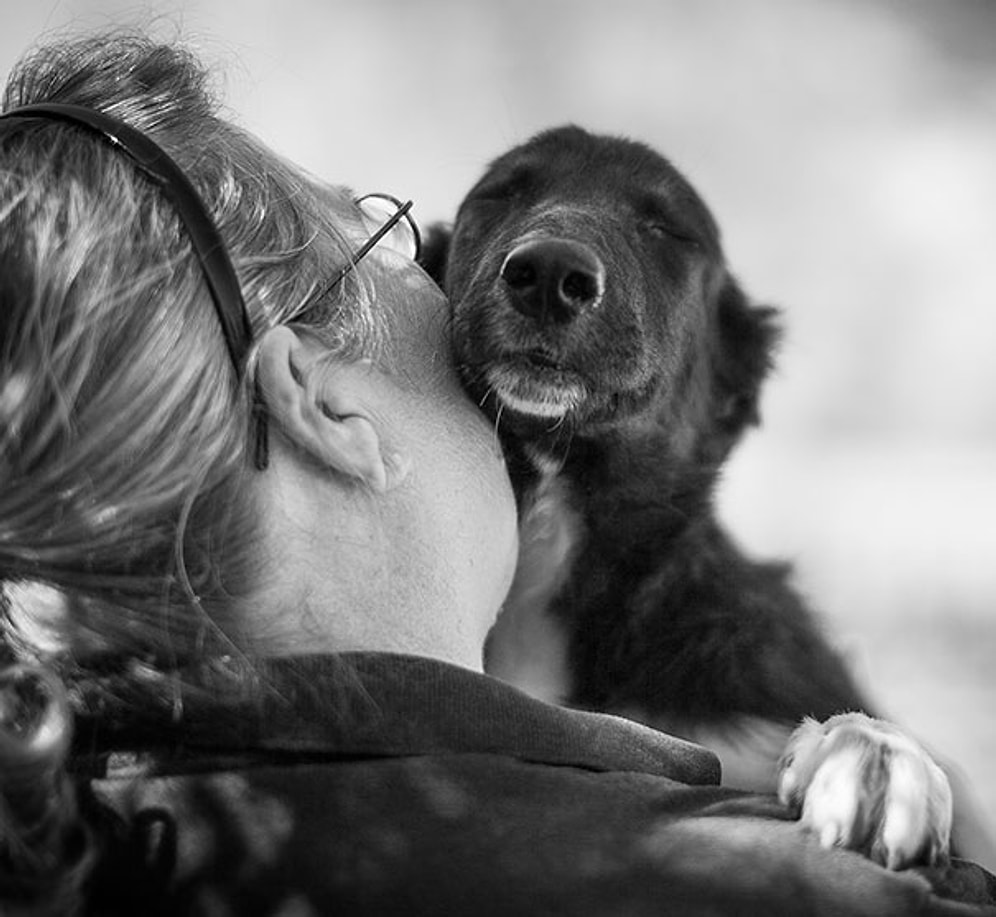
553	280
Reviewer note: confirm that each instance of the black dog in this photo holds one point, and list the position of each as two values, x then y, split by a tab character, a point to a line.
596	321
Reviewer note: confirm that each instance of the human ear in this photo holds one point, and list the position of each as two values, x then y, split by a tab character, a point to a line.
335	429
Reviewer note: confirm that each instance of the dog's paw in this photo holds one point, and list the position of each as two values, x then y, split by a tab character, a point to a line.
861	783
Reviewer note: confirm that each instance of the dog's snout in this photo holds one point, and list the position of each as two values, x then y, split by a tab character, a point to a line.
553	280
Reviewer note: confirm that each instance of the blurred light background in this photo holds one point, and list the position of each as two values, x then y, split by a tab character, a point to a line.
849	150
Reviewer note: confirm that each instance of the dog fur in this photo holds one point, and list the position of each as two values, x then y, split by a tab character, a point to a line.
596	321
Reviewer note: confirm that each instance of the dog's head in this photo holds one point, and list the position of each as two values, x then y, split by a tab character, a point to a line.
589	291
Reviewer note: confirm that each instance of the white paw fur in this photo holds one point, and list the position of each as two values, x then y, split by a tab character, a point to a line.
862	784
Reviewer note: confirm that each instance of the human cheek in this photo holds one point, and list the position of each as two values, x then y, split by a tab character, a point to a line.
488	504
499	506
483	442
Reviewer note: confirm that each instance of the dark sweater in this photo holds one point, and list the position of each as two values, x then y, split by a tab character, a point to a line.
379	784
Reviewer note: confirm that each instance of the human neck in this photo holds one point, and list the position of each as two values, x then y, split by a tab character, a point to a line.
342	576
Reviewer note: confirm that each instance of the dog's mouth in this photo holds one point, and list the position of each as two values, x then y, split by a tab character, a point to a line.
536	384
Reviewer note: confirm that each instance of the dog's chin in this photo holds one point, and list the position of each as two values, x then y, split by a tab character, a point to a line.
535	393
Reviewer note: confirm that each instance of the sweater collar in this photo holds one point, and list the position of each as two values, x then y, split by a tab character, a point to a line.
373	705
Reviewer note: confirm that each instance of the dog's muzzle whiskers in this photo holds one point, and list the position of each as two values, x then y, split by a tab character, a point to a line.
497	424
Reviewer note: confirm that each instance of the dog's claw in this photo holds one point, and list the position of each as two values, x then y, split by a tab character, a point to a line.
862	784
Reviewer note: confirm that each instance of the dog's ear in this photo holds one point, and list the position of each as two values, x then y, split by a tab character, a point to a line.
744	354
435	249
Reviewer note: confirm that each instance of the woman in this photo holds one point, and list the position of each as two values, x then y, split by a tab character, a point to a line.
252	538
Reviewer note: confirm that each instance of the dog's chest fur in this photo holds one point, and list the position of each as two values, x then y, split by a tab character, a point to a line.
528	646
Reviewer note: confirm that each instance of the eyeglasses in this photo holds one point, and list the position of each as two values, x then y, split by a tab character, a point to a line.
390	223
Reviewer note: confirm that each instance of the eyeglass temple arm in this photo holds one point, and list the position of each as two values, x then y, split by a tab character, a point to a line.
364	249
